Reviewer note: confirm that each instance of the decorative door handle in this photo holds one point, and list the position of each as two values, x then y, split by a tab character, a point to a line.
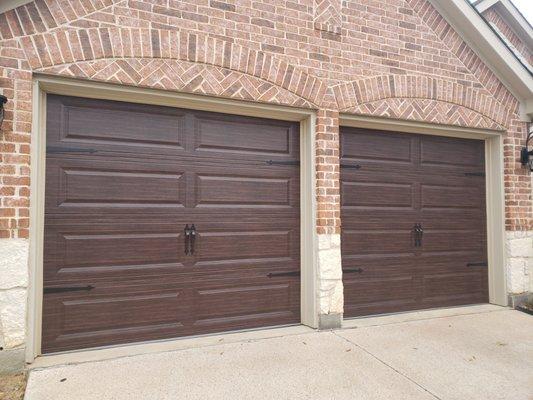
187	238
192	240
418	232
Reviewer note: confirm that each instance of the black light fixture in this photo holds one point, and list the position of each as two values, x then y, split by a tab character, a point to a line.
526	155
3	100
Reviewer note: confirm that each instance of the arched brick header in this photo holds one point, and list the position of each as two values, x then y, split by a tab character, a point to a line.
352	95
424	110
68	46
183	76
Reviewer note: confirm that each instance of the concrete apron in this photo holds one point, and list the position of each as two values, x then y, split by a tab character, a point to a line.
482	352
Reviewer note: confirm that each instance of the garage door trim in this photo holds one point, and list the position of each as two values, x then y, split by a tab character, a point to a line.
66	86
494	184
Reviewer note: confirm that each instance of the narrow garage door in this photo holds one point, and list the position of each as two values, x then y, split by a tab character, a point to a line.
413	222
163	222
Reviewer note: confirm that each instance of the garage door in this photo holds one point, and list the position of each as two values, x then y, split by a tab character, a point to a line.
163	222
413	222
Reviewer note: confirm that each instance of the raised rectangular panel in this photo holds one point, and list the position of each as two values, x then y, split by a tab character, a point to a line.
126	127
242	191
376	194
434	196
121	312
233	136
384	147
361	291
454	152
453	240
248	301
117	251
80	187
253	246
362	242
454	284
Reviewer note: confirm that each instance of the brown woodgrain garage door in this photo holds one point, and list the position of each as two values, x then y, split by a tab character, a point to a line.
392	181
122	182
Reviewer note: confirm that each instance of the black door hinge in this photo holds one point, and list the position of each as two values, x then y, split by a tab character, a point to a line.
62	289
275	162
352	270
478	264
291	273
350	166
55	150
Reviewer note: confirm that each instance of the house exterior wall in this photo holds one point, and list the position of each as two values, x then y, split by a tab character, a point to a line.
493	16
397	59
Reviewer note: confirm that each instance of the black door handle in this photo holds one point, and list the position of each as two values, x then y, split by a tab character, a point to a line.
187	239
418	232
192	240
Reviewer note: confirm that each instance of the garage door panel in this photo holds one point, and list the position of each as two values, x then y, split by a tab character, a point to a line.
453	240
113	188
92	184
377	194
370	296
376	242
455	286
242	191
260	245
376	146
74	252
223	134
137	128
435	196
451	152
244	303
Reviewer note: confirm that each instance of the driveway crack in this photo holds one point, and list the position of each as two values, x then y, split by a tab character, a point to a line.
388	365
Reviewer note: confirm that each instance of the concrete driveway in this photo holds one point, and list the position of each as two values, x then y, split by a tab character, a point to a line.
482	352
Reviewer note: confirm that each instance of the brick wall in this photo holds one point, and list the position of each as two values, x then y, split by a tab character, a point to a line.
493	16
397	58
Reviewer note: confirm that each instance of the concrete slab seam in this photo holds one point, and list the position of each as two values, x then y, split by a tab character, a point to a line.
388	365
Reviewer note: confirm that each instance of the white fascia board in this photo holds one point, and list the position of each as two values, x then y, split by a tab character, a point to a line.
485	5
488	46
6	5
516	21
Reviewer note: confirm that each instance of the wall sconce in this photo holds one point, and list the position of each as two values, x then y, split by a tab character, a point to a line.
526	155
3	100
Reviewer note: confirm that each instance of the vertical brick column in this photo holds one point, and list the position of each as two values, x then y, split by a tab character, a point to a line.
15	134
330	290
518	216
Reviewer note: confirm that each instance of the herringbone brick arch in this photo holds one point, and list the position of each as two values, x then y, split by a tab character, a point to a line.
181	76
67	46
386	96
425	110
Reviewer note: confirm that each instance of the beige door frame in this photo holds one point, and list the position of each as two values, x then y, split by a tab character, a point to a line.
44	84
495	202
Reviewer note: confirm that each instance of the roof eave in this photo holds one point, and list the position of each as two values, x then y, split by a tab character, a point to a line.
464	18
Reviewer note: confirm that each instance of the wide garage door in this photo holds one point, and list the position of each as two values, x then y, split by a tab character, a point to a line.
163	222
413	222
